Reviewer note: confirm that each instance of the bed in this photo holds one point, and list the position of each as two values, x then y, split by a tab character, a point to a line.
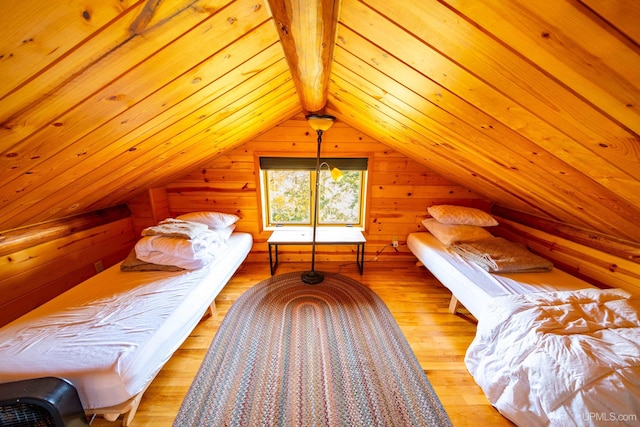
550	349
110	335
474	287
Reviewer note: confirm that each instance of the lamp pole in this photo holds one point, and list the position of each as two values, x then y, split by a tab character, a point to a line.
313	277
319	123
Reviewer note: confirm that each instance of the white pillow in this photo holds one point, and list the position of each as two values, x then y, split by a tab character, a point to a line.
451	214
225	233
211	219
449	234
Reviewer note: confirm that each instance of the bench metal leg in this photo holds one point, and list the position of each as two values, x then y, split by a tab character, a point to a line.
360	257
273	264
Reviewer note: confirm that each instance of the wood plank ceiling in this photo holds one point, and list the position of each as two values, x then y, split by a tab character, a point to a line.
535	105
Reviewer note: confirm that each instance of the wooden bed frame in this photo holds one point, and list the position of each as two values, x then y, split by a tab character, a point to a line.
472	287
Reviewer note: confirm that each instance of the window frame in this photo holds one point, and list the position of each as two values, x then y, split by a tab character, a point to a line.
263	196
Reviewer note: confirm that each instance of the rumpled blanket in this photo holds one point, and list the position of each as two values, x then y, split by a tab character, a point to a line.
176	228
561	359
499	255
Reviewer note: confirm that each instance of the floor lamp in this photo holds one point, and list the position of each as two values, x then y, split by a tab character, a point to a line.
320	123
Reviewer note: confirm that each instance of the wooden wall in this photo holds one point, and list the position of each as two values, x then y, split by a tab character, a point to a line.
400	189
602	260
41	261
148	208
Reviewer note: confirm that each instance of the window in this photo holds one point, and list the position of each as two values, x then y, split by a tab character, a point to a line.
288	186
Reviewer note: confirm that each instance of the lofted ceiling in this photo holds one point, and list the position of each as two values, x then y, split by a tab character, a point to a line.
535	105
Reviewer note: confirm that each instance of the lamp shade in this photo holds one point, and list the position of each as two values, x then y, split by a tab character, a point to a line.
336	173
320	122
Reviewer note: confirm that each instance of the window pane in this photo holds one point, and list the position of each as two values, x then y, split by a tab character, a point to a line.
288	195
340	201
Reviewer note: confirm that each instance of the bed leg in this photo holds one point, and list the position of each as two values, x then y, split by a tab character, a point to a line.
110	417
211	311
453	305
128	417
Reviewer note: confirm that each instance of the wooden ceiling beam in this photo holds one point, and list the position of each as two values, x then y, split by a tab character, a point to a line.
307	30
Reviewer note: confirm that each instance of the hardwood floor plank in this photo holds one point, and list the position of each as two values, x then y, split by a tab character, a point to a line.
419	304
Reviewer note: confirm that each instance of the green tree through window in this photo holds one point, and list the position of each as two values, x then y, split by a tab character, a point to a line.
340	201
288	196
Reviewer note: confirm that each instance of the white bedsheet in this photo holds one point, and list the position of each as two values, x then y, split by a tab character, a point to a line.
474	287
111	334
561	359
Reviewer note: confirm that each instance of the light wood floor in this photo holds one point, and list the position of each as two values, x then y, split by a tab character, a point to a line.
419	304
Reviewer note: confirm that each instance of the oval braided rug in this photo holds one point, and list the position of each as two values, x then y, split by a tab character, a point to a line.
291	354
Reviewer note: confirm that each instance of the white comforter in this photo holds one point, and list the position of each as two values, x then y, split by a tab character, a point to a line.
561	358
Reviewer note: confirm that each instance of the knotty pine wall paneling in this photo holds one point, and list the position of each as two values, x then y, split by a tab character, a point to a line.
602	260
399	189
40	262
148	208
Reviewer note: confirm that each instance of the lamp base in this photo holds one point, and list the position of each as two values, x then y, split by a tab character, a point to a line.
312	277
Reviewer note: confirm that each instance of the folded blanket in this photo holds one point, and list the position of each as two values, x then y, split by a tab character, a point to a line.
161	258
132	263
185	253
498	255
176	228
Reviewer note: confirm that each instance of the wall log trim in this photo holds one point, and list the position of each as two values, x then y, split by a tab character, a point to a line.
611	245
591	263
33	275
26	237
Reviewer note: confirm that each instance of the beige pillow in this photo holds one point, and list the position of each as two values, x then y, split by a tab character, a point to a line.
448	234
450	214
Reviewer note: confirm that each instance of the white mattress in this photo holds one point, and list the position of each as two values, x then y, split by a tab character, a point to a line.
474	287
111	334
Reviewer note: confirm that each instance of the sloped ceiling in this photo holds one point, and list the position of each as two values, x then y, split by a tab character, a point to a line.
535	105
